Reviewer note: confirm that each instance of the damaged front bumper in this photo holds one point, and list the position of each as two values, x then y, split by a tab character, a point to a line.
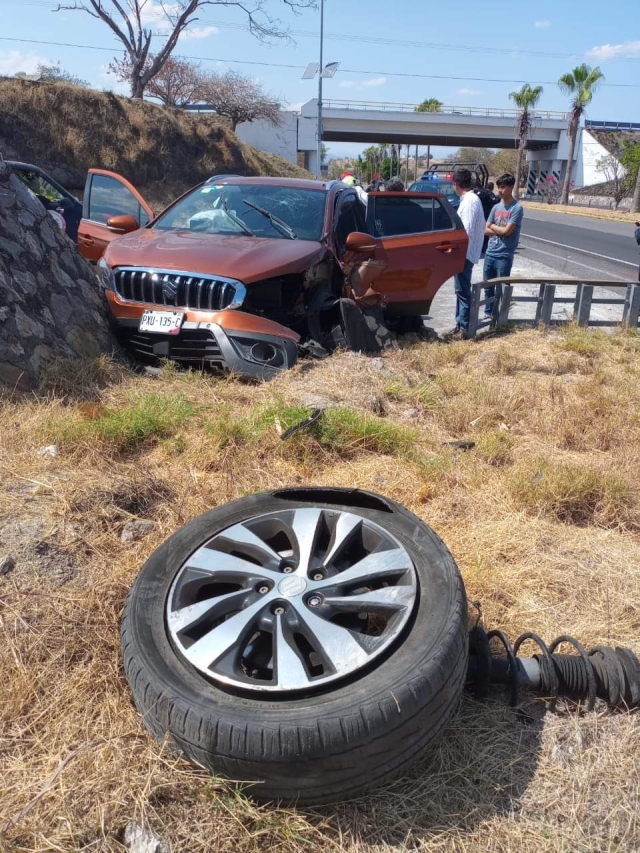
232	341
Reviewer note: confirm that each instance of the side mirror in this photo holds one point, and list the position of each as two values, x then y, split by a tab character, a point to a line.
360	243
123	224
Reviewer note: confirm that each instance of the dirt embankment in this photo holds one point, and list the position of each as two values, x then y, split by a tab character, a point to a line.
67	130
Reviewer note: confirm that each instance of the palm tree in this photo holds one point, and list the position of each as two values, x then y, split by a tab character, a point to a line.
525	99
580	84
429	105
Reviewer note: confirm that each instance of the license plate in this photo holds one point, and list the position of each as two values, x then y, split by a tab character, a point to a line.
162	322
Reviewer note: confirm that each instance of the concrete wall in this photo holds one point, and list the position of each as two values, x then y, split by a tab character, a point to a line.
590	152
282	140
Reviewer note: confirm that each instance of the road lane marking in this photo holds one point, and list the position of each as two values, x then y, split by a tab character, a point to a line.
584	251
575	263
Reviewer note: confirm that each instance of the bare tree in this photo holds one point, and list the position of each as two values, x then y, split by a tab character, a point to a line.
133	23
176	84
55	74
615	175
238	98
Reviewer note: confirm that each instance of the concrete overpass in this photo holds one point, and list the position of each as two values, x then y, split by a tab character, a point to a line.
367	122
370	121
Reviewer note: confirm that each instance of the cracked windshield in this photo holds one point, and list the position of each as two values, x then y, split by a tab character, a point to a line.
256	210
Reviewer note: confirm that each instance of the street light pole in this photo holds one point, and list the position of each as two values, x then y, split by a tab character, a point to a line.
320	89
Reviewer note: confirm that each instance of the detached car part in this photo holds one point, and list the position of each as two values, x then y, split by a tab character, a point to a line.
315	641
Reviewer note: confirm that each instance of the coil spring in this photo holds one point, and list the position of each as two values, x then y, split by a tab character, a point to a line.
604	672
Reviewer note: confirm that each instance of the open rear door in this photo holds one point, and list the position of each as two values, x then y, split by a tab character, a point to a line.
107	194
419	244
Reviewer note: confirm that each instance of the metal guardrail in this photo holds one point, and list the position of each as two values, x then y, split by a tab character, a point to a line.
388	106
546	300
612	125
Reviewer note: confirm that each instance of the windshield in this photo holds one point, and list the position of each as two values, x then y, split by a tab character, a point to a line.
444	187
258	209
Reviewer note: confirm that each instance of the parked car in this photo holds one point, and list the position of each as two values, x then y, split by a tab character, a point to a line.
53	196
439	179
238	272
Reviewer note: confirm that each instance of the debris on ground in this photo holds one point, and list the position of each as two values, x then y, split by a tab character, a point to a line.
140	840
48	452
7	563
307	422
133	531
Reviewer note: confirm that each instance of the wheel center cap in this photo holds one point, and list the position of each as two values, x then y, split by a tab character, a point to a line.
294	585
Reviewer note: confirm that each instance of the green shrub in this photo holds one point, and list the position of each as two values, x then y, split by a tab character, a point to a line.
148	417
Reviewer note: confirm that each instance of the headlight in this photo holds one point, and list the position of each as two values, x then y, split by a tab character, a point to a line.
105	274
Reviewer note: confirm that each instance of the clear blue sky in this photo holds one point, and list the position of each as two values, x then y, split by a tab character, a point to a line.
446	40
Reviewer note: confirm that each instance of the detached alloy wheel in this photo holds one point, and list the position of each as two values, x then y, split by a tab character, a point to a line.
313	641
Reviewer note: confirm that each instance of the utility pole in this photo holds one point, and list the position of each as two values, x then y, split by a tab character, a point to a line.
320	90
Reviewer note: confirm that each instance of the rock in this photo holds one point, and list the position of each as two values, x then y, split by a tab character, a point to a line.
139	840
7	564
315	401
48	452
376	405
379	366
133	531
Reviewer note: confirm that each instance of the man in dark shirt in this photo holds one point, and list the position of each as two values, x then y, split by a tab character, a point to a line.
637	236
488	200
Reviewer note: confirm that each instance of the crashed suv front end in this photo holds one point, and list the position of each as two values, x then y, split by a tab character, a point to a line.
212	329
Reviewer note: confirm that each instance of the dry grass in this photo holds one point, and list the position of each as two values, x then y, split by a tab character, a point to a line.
163	151
542	515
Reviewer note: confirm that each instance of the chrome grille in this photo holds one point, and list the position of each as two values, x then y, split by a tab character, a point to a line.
177	289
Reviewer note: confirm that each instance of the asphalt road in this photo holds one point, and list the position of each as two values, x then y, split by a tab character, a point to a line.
581	246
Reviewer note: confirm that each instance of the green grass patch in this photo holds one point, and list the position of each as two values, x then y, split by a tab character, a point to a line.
583	341
229	429
576	495
495	447
344	431
147	418
427	394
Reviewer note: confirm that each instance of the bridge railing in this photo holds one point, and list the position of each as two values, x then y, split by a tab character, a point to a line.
547	298
388	106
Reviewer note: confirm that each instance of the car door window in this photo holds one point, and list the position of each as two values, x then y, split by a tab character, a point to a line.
394	216
108	197
350	217
40	186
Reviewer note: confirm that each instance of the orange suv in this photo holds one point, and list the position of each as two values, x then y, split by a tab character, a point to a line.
238	273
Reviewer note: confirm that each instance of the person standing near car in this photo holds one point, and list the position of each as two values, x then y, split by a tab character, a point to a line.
488	199
637	236
472	216
503	230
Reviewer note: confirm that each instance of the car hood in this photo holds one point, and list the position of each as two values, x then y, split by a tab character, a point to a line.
247	259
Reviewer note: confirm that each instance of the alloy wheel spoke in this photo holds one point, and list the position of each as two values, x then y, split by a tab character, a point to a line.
344	530
336	645
388	598
209	560
251	543
183	618
290	671
305	529
266	624
220	640
373	566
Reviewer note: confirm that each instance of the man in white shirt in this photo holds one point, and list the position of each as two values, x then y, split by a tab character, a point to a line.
472	215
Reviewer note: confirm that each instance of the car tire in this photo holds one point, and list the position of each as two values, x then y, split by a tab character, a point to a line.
317	745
